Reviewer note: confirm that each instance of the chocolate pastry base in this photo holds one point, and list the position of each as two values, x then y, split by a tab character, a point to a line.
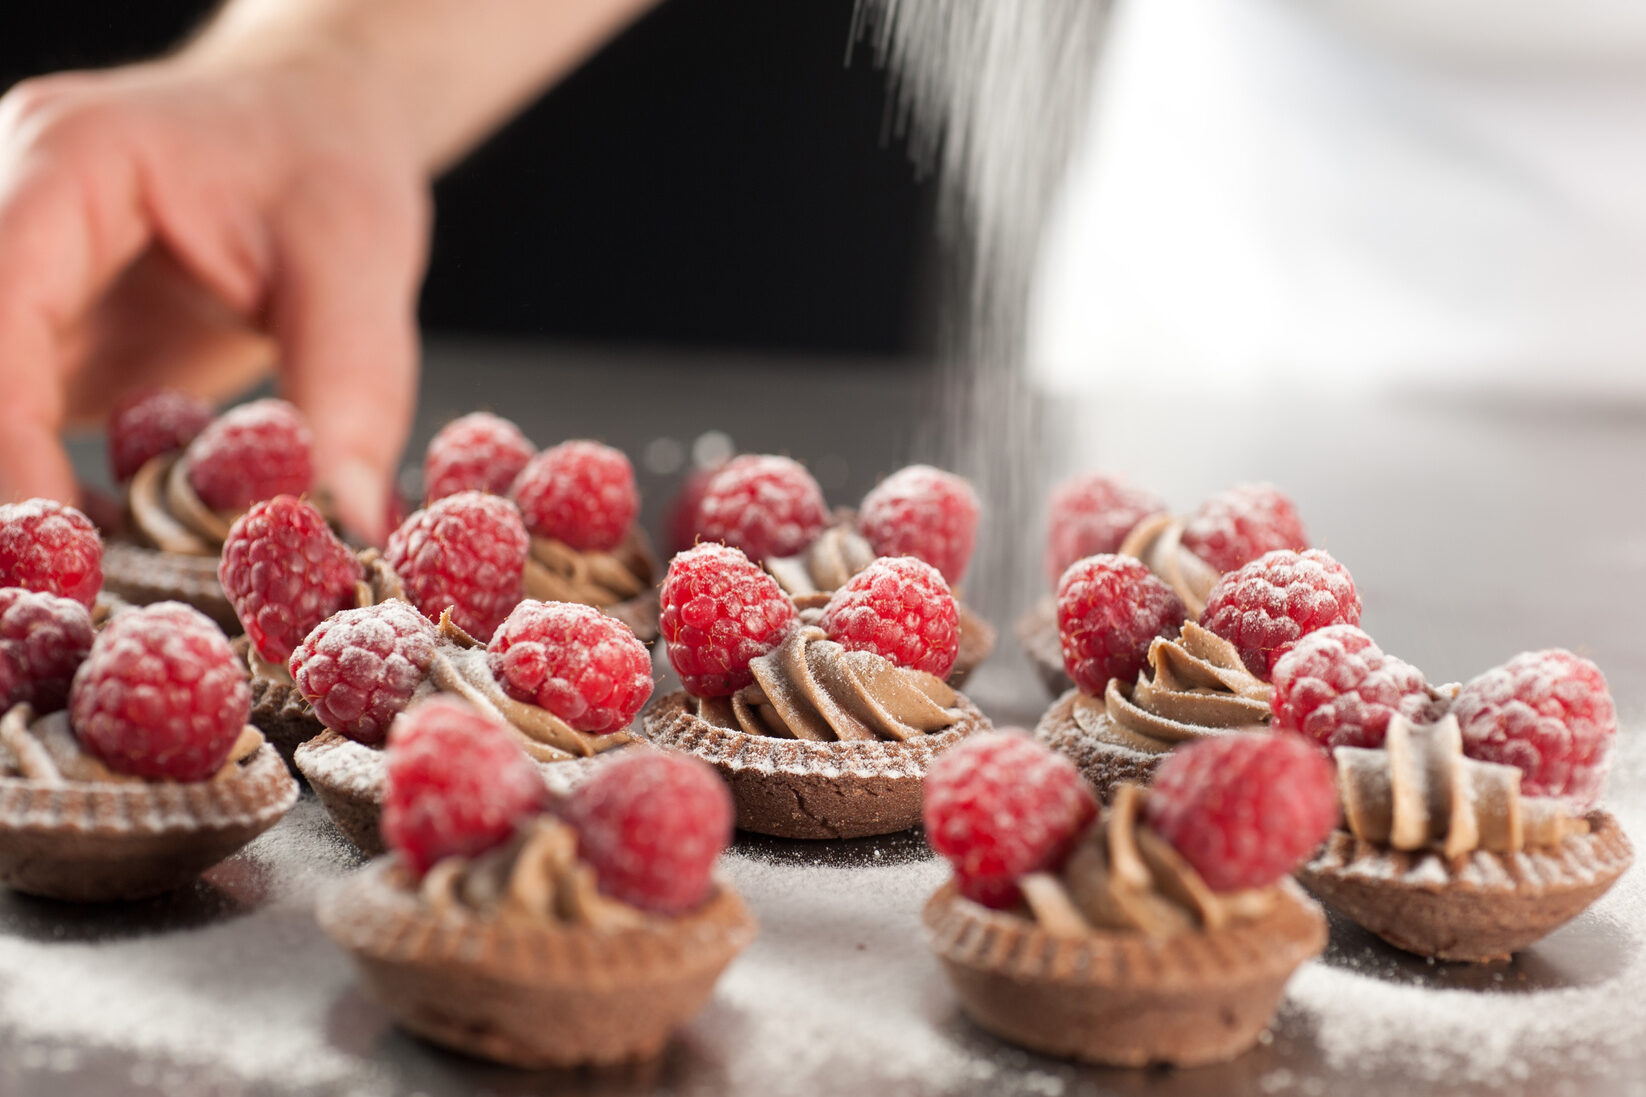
348	779
1106	765
977	640
90	842
1121	997
528	993
144	575
1483	906
800	788
1037	632
640	613
279	711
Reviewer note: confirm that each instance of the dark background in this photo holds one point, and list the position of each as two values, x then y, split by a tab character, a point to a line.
717	177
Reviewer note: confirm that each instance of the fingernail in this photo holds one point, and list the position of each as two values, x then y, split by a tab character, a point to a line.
361	497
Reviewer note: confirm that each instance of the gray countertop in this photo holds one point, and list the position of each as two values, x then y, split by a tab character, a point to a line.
1474	529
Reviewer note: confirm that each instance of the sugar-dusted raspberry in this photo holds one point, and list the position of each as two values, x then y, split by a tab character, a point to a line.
152	422
1237	526
901	609
359	668
1548	712
680	523
586	668
580	493
1109	610
1001	805
925	512
1091	515
1337	687
455	783
285	571
251	452
1244	809
43	639
718	611
651	824
478	452
50	547
466	552
1266	606
161	694
766	506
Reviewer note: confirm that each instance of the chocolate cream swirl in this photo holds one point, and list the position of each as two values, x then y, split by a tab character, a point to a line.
810	687
556	572
824	566
45	751
1418	791
167	513
1124	876
535	876
1158	542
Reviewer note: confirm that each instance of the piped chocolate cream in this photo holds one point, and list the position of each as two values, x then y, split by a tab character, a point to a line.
168	515
170	544
624	577
810	687
1158	542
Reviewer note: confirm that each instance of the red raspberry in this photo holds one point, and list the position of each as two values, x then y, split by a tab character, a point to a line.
901	609
50	547
255	451
1269	604
651	825
681	520
579	493
1337	687
150	423
466	552
1243	809
359	668
479	452
586	668
925	512
455	784
1091	515
1109	610
43	639
1001	805
1237	526
766	506
161	695
718	612
1548	712
285	571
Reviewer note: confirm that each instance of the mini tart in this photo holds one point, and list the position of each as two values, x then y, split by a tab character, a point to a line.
122	838
1037	633
621	583
532	993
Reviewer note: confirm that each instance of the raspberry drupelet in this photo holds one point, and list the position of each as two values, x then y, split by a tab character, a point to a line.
251	452
1109	610
466	552
767	506
1336	687
900	608
359	668
285	571
586	668
580	493
925	512
718	612
477	452
49	547
1269	604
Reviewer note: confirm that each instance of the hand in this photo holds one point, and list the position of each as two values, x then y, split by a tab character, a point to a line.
191	223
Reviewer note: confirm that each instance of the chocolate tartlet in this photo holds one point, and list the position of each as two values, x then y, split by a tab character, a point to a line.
827	743
1125	958
516	957
168	550
1444	856
72	829
621	583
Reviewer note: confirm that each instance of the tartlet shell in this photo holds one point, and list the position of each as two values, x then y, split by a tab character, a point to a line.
1037	633
143	575
1106	765
280	712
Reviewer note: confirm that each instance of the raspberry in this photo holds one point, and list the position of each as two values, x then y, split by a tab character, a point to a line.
651	824
150	423
455	784
1547	712
1269	604
1338	688
1237	526
285	571
1243	809
1091	515
50	547
255	451
766	506
718	612
681	520
580	493
161	694
586	668
466	552
43	639
359	668
479	452
1001	805
925	512
901	609
1109	610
